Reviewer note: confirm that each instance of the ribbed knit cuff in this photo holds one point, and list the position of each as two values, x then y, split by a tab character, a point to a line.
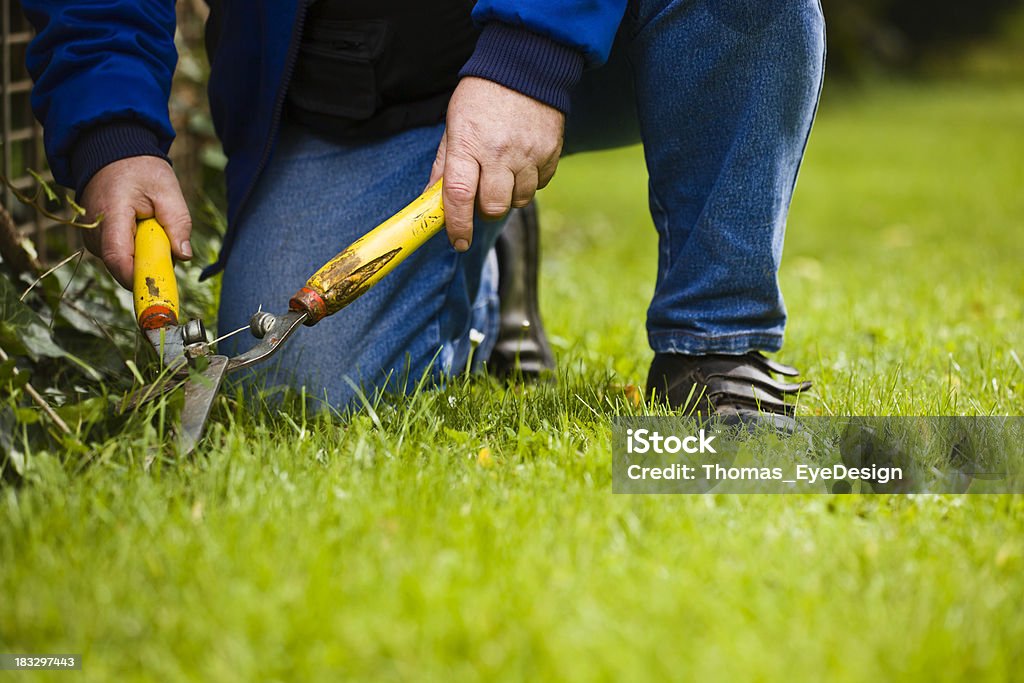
526	62
109	142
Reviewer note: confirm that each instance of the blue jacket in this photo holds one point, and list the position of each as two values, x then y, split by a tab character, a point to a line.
103	73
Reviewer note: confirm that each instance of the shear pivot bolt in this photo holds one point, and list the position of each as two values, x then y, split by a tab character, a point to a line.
194	332
261	323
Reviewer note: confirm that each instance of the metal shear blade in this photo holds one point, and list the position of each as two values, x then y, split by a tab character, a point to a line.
201	389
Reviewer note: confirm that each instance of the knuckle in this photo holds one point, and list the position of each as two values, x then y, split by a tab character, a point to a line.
112	257
503	148
494	208
181	222
459	222
459	191
464	230
463	133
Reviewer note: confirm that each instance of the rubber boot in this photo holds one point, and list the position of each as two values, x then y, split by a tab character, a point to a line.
522	347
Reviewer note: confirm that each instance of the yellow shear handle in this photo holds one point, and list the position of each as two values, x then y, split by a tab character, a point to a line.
155	289
346	276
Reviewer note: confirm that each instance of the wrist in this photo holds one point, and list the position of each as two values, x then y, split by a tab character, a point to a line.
526	62
106	143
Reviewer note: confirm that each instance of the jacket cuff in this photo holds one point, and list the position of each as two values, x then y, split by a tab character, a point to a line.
109	142
526	62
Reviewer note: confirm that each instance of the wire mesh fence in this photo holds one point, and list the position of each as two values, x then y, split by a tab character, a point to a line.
195	154
22	138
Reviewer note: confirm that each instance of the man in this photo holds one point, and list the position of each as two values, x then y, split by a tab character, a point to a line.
335	113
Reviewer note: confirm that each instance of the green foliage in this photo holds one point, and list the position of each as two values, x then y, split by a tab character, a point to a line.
22	332
71	351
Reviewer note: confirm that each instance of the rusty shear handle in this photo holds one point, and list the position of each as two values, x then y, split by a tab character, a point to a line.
348	275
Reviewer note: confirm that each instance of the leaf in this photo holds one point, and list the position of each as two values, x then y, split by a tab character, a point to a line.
457	436
89	370
94	354
135	372
21	330
26	416
7	370
7	445
18	381
45	186
90	411
73	445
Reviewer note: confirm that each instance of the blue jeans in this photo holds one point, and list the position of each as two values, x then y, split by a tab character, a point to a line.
721	93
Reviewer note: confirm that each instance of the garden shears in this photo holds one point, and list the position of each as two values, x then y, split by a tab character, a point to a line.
188	357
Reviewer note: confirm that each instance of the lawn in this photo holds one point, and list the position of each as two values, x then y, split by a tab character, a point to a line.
471	533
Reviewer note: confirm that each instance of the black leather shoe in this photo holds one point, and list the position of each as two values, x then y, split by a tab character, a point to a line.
737	389
522	347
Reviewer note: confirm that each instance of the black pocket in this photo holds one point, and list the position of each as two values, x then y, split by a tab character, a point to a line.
336	73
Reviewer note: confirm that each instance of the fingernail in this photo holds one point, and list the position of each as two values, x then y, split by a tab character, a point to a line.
186	249
461	245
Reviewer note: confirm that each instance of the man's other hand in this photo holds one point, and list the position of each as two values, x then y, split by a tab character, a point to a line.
499	148
130	189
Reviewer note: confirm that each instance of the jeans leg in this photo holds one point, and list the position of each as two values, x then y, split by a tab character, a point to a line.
725	93
317	197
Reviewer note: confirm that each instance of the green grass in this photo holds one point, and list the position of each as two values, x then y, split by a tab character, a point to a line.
305	547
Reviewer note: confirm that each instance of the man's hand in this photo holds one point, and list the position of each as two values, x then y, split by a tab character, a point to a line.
498	149
137	187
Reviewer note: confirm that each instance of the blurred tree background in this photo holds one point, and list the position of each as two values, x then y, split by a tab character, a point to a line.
196	152
907	35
